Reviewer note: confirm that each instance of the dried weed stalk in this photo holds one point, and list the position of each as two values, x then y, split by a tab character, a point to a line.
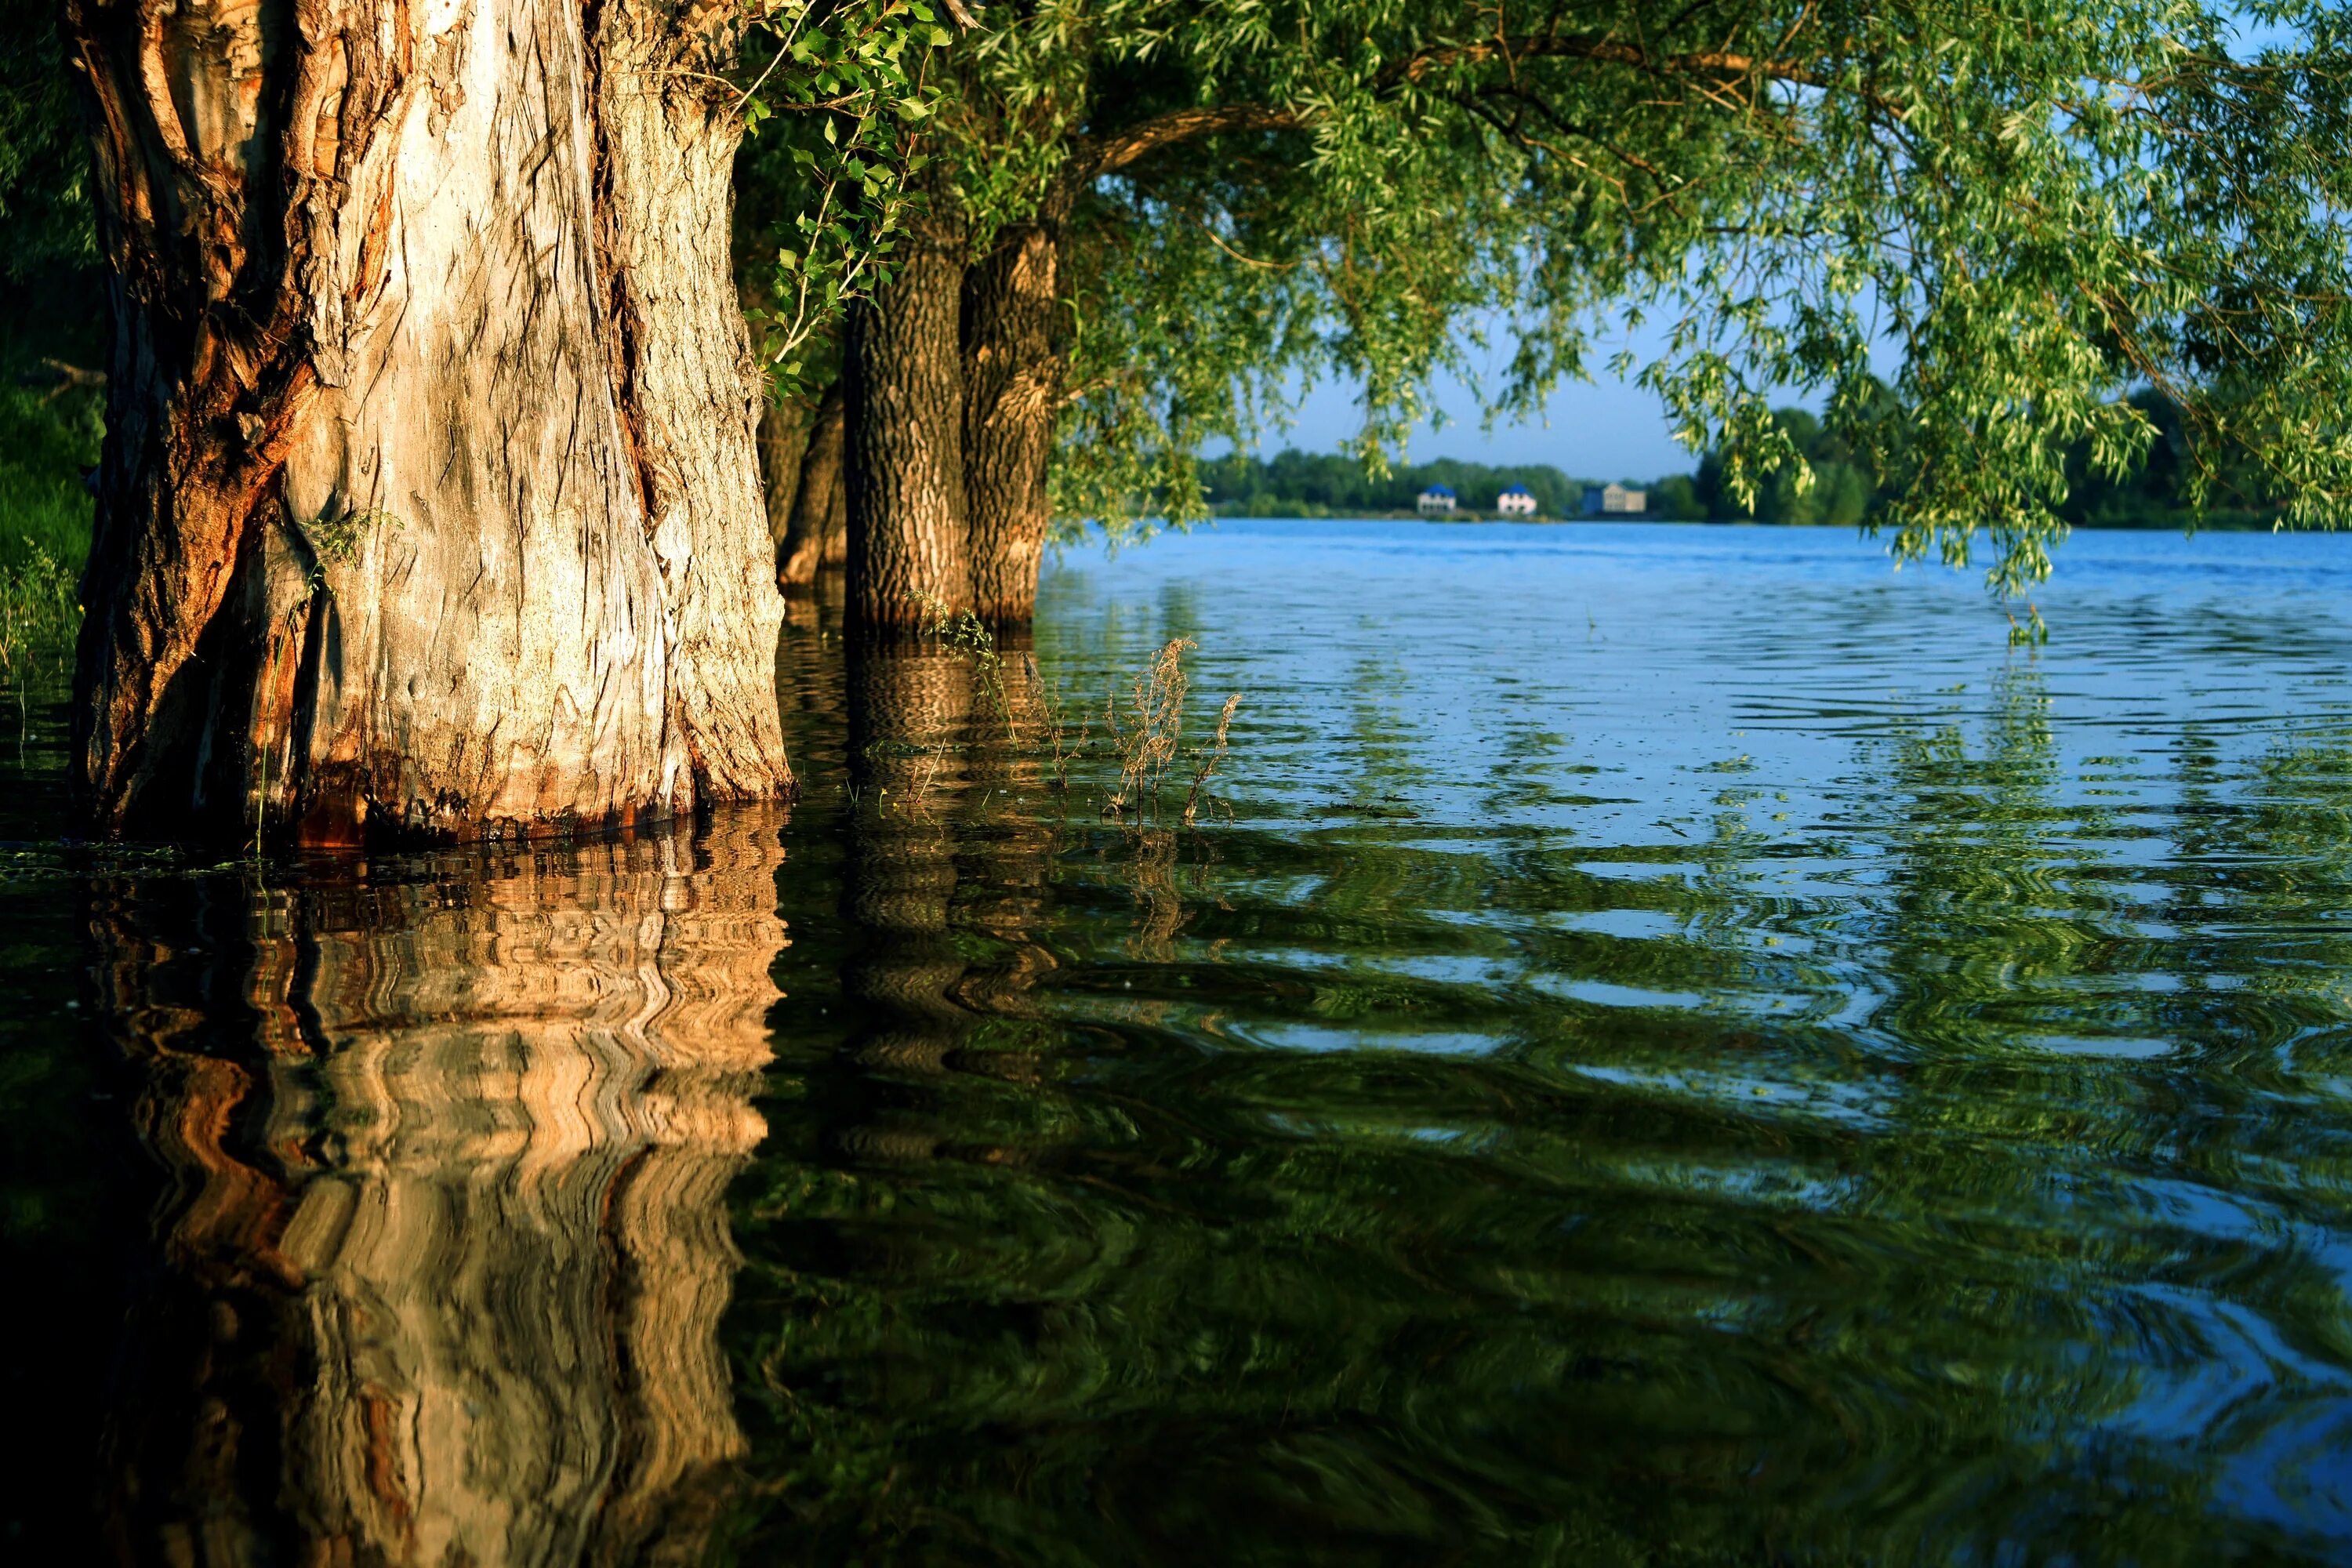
1210	758
1068	745
1147	742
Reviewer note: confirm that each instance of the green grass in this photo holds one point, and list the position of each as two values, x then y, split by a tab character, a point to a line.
45	444
45	521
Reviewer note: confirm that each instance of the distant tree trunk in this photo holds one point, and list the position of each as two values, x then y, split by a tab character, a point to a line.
908	541
816	535
429	501
1013	382
784	432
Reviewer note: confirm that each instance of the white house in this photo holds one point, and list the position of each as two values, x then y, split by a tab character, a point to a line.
1435	499
1614	500
1516	502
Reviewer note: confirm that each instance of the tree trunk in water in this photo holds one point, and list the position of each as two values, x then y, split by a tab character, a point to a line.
429	502
817	534
1012	381
910	548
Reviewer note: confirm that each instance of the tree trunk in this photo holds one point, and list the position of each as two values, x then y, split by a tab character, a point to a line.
908	543
429	501
817	534
785	434
1012	381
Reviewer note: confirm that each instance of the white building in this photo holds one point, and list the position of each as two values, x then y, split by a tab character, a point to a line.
1437	499
1614	500
1516	502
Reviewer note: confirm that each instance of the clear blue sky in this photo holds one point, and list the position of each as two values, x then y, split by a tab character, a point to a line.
1603	429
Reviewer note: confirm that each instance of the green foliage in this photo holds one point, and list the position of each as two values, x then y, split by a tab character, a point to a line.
834	106
1834	483
45	444
2039	206
38	614
46	219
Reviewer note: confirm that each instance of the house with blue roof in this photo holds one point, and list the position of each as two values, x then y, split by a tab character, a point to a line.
1515	501
1436	501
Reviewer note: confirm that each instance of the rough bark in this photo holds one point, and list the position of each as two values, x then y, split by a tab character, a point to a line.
441	1275
428	502
817	535
909	547
1013	383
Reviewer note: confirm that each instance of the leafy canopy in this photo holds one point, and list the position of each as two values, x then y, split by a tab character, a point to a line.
2030	210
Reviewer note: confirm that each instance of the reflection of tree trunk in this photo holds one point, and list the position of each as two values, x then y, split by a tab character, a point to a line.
1009	854
444	1276
817	532
943	848
909	706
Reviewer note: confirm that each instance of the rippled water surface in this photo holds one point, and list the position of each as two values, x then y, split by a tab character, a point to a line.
1660	1045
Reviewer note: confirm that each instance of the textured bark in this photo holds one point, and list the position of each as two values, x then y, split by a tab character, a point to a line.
817	536
691	392
441	1276
909	547
429	502
1013	383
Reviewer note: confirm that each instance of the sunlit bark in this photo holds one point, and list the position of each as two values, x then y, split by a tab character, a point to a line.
429	501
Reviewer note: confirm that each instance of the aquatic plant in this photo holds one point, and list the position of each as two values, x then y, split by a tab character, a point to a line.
1210	757
1147	743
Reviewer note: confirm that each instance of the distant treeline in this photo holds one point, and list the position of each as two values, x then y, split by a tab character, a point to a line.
1844	491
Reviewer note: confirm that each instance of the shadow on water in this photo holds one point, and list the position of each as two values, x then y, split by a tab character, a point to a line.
1658	1097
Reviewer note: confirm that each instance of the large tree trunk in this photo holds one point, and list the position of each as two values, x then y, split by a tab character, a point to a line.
1013	383
429	501
817	535
910	549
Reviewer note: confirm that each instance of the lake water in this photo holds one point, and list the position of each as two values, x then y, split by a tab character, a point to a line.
1659	1045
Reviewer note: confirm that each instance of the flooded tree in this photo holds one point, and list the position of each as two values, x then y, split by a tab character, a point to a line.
1146	218
429	501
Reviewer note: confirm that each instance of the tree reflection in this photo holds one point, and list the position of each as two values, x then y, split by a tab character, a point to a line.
1503	1197
440	1272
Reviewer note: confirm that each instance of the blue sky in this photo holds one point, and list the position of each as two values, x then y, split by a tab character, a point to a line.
1602	429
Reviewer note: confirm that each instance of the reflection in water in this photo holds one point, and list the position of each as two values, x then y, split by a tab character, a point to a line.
440	1271
1689	1057
1572	1131
951	847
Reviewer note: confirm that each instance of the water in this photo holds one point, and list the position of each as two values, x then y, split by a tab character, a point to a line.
1662	1044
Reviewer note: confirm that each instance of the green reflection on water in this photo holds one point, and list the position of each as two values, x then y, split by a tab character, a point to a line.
1916	1132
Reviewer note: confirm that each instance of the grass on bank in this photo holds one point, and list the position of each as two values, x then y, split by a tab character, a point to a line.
47	441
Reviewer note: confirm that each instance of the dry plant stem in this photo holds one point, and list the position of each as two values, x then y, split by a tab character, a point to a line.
1067	747
1147	745
1215	755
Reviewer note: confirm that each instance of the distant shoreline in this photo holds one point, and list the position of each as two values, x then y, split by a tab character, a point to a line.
2225	522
